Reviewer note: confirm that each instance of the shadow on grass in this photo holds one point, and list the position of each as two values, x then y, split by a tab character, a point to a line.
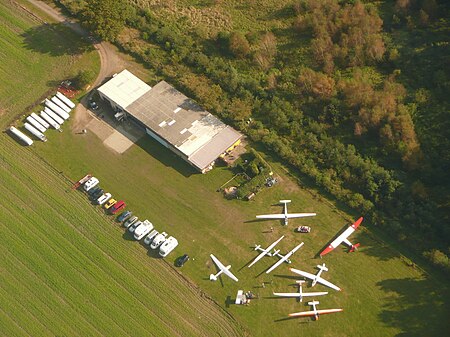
165	156
55	39
292	318
128	236
417	307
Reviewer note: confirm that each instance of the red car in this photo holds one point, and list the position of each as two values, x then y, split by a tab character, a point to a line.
117	207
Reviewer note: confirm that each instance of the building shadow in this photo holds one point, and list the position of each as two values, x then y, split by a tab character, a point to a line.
165	156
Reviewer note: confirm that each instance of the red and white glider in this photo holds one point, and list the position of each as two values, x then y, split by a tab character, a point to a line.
315	313
343	238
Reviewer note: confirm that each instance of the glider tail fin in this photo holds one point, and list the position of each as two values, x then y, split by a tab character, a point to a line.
354	247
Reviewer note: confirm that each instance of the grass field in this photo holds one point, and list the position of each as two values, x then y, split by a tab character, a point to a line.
68	269
380	289
34	58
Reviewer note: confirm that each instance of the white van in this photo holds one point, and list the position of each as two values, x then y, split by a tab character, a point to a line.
150	237
90	183
168	246
159	239
143	229
104	198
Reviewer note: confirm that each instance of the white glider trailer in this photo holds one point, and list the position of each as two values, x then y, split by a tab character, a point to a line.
59	103
19	134
168	246
66	101
35	132
158	240
54	116
36	124
57	109
48	119
143	229
40	120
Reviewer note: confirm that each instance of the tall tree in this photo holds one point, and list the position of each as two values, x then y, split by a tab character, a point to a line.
106	18
239	45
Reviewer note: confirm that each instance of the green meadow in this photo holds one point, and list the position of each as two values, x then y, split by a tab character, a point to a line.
67	268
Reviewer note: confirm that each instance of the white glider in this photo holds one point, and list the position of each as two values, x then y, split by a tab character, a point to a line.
222	268
316	278
284	258
300	294
265	251
285	214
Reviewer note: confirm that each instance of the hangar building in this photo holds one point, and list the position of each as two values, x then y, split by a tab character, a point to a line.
173	119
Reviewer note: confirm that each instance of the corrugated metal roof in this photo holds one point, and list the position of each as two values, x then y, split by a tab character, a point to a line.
124	89
215	147
174	117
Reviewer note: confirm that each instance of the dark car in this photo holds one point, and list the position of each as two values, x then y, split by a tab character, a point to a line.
124	215
97	194
93	105
92	191
182	260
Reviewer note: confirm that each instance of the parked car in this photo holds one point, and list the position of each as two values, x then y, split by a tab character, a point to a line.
130	221
303	229
110	203
92	182
182	260
124	215
150	237
133	227
117	207
104	198
93	105
97	194
94	190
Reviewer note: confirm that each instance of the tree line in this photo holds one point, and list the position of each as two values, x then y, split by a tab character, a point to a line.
306	115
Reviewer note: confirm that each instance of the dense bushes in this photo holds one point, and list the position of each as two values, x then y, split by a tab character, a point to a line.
297	112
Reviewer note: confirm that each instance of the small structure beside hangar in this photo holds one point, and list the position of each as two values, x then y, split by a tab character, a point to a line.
171	118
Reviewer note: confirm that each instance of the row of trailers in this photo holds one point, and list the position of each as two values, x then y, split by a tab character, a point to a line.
56	111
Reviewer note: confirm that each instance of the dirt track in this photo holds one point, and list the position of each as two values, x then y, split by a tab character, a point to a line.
116	137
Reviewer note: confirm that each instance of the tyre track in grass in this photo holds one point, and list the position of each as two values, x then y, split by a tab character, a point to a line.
65	266
183	299
5	320
35	239
62	237
9	256
41	310
23	314
44	268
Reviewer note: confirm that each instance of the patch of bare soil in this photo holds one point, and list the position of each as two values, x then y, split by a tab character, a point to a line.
81	118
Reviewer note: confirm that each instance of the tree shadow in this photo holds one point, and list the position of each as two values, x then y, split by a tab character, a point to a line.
417	307
285	12
54	39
